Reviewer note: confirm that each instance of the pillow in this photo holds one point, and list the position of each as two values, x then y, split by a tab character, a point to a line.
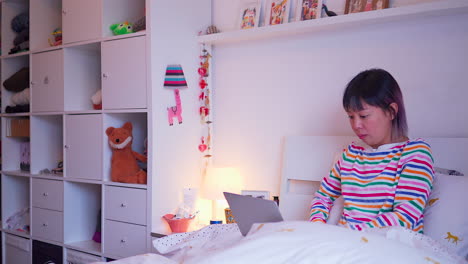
446	213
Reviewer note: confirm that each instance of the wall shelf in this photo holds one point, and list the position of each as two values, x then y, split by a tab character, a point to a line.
412	12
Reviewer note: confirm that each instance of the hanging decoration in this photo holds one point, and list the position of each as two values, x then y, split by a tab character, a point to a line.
205	107
175	80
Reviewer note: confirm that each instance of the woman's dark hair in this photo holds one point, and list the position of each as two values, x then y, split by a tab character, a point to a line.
378	88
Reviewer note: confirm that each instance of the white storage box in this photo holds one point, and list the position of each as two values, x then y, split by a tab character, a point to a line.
17	249
77	257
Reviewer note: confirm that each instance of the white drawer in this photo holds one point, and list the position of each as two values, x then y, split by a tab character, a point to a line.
125	204
47	224
47	194
123	240
17	249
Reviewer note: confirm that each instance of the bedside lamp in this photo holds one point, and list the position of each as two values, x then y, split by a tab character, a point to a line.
217	181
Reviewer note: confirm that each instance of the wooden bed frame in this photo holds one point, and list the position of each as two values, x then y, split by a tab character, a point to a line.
307	159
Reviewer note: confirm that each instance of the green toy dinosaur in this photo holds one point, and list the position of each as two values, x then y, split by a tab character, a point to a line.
120	29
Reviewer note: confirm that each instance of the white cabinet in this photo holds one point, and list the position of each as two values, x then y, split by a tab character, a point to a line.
83	146
81	20
124	77
126	204
47	224
17	250
66	206
47	82
123	239
47	194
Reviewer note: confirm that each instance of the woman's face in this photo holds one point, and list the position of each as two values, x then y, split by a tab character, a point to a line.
372	124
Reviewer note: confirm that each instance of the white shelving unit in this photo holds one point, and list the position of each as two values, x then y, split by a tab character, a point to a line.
410	12
64	209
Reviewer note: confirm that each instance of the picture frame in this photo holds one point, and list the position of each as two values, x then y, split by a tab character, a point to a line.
277	12
308	9
249	14
356	6
256	194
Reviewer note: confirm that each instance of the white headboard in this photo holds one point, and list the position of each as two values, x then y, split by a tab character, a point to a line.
307	159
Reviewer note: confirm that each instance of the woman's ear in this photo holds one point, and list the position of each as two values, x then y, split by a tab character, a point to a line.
393	110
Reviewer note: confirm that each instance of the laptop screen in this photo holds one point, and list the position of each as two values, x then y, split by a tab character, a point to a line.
248	210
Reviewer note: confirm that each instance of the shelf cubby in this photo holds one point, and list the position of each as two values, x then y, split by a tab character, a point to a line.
16	189
9	67
10	9
82	76
139	133
82	205
118	90
46	143
83	146
88	28
46	18
11	146
119	11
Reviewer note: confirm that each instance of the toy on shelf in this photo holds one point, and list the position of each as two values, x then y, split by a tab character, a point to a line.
97	100
140	24
124	166
122	28
57	34
59	168
20	25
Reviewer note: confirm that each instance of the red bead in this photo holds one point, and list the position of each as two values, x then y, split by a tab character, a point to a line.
202	71
202	84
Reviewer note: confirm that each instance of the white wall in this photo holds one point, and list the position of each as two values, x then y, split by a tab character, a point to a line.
268	89
176	159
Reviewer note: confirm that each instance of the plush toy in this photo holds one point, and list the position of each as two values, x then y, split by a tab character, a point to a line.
57	34
124	167
120	29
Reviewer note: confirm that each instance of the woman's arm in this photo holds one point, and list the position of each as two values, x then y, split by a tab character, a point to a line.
412	192
330	189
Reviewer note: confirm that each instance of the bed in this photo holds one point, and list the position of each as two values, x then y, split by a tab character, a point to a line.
298	241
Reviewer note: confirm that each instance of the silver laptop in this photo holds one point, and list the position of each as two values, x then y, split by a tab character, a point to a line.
248	210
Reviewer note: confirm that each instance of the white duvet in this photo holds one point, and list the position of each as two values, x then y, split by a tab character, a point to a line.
296	242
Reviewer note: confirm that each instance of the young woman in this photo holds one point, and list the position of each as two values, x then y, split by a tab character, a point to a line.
387	180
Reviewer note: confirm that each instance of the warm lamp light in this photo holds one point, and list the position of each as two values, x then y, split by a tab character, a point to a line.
219	180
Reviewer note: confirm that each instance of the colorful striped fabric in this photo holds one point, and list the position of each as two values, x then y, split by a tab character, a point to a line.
384	187
175	77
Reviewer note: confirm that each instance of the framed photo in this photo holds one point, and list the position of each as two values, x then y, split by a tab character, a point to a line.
256	194
249	14
356	6
308	9
277	12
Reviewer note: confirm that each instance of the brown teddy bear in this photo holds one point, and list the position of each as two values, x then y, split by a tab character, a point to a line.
124	167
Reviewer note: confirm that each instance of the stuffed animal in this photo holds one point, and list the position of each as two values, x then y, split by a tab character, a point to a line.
120	29
124	167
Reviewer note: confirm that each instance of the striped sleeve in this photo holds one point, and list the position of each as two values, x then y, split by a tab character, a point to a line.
330	189
412	191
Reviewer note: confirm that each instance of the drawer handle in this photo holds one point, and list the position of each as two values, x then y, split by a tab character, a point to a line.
45	194
123	205
123	240
44	224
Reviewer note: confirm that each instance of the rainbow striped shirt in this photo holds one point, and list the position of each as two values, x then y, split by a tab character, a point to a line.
384	187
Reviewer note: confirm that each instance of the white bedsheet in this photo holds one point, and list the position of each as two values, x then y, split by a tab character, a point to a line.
297	242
